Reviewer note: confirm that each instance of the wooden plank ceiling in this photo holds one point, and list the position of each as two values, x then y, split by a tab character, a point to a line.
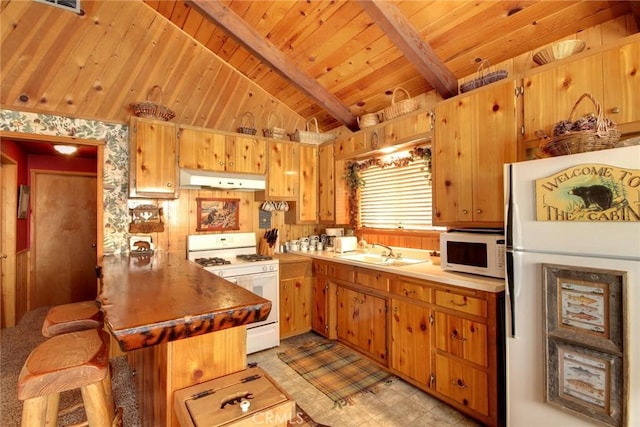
332	60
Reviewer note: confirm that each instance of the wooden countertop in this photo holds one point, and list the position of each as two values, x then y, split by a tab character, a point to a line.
153	300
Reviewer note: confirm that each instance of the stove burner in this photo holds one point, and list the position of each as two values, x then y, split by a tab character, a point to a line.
254	257
209	262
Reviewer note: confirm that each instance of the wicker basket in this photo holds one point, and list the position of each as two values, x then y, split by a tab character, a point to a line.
605	134
483	77
310	136
150	109
559	50
397	109
368	120
274	131
249	129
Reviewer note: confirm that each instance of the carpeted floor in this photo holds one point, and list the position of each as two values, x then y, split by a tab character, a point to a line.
337	372
15	345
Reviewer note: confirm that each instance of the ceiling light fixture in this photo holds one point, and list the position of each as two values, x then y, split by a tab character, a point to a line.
65	149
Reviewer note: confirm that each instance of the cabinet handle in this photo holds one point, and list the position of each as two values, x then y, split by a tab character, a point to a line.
464	211
169	184
459	383
230	163
455	336
355	299
221	163
615	110
459	304
478	210
408	293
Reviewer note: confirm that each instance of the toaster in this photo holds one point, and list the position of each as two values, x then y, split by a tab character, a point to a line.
345	244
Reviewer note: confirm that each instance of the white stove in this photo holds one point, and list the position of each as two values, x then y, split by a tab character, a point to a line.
233	256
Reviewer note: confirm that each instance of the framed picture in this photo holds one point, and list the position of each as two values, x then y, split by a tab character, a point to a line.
585	381
23	201
585	305
218	214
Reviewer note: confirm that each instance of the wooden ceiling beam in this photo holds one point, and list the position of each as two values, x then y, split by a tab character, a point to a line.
403	34
236	27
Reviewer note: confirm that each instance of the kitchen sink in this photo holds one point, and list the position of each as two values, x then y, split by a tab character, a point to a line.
381	260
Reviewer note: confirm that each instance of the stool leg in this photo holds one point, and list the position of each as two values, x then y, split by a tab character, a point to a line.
108	394
53	403
34	411
95	405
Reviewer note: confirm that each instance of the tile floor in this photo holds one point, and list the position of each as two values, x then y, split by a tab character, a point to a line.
397	404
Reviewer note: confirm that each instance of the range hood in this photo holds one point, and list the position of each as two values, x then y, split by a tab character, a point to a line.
194	178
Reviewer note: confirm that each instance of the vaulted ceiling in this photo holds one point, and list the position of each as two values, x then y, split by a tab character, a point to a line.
332	60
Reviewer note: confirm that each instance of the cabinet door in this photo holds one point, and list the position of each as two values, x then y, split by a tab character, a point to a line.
348	315
295	306
494	144
462	337
200	149
153	150
410	338
326	184
320	312
341	208
246	155
550	95
283	170
462	383
307	208
452	162
622	83
372	327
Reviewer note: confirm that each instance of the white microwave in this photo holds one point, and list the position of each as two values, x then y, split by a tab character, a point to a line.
473	252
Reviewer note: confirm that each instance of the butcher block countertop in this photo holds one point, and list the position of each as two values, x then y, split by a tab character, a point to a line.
424	270
162	298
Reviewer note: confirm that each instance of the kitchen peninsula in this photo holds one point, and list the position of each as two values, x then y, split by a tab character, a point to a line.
179	325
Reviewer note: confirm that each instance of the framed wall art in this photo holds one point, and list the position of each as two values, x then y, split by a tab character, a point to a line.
218	214
586	382
584	329
585	305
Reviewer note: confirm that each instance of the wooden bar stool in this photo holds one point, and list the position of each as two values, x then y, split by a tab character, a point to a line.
66	362
73	317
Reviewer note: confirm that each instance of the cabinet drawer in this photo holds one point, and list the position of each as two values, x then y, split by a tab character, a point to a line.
462	303
319	268
462	337
372	279
462	383
290	270
341	272
411	290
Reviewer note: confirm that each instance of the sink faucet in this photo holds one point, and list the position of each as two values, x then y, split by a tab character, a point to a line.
390	254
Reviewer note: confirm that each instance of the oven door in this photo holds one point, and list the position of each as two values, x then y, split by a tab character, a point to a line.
264	285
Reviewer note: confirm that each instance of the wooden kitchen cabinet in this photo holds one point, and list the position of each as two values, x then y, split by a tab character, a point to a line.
206	150
361	322
153	152
341	199
474	136
466	350
282	173
411	340
296	288
326	184
414	126
622	83
563	84
352	146
305	208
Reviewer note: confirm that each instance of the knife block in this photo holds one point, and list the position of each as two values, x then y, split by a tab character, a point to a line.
264	249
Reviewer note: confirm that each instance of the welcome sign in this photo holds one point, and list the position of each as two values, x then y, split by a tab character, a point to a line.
589	192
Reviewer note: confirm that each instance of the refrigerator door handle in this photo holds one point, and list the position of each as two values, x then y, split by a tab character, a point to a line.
511	292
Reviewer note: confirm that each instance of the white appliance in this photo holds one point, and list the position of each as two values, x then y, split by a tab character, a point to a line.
233	256
344	244
473	251
605	245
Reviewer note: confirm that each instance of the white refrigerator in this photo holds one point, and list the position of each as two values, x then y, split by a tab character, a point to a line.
572	320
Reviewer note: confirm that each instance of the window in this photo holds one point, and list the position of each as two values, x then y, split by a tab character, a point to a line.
396	197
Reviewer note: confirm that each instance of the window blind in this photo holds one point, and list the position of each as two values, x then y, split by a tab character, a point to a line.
396	197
